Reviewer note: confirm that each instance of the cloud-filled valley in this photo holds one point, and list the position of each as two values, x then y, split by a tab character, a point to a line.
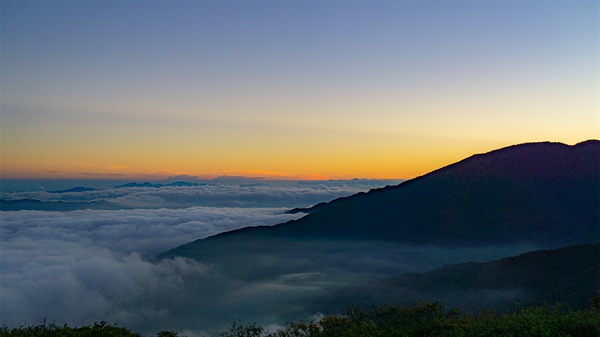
78	267
82	266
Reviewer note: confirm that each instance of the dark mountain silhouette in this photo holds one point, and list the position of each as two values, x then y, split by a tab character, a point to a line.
236	179
484	208
146	184
184	184
61	206
158	185
543	193
528	192
568	275
75	189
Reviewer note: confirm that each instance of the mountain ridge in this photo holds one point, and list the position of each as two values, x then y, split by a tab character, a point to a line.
586	143
486	207
569	275
545	192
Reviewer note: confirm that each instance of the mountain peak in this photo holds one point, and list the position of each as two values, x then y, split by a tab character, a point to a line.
535	192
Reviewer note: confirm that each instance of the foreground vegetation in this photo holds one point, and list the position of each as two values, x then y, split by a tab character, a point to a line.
429	319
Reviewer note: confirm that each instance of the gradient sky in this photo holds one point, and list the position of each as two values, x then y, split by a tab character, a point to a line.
289	89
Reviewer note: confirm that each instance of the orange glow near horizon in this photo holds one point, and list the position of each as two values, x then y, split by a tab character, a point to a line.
409	163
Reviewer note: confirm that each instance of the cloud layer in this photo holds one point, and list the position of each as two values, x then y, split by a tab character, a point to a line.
78	267
257	194
83	266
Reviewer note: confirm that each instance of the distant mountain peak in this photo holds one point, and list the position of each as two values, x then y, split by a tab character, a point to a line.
157	185
75	190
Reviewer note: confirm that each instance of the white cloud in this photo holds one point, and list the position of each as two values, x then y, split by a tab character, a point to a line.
146	231
85	266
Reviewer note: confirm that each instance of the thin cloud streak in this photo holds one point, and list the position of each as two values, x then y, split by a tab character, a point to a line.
116	167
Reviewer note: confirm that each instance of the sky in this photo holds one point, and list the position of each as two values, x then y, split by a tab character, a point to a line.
288	89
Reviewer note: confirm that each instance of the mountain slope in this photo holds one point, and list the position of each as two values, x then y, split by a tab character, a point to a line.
484	208
547	193
528	192
568	275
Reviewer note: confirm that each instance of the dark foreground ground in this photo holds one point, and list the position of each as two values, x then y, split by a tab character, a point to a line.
429	319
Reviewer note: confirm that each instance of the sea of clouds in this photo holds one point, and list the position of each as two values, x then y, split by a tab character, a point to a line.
252	194
83	266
